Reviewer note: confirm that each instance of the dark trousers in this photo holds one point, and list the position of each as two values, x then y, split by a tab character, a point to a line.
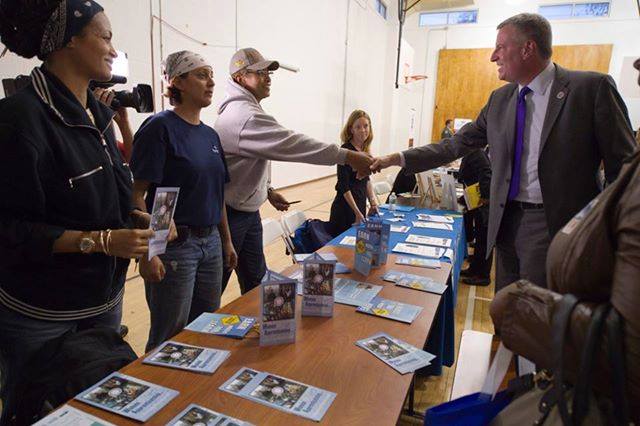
478	220
246	235
521	246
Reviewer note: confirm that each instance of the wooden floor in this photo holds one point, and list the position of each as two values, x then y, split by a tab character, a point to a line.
472	307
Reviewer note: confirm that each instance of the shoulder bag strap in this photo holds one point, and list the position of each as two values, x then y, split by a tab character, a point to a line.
560	324
615	331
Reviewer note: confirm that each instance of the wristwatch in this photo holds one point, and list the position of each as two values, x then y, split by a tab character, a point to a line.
86	243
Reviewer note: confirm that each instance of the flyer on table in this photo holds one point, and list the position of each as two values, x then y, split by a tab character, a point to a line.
354	293
222	324
430	241
280	393
164	205
420	263
198	415
391	309
318	280
187	357
433	225
278	309
127	396
417	282
70	416
403	357
435	218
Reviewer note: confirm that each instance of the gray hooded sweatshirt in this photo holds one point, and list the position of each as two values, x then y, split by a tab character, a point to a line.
250	138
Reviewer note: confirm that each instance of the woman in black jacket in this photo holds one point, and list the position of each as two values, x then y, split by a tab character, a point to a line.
66	221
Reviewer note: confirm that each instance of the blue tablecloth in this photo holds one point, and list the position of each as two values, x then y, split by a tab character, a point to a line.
441	341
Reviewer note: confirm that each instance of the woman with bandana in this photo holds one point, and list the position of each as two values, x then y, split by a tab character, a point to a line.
175	149
67	221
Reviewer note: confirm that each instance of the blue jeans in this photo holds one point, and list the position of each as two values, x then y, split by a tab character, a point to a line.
246	235
191	286
22	336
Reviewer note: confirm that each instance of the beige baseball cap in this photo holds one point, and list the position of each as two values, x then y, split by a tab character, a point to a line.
250	59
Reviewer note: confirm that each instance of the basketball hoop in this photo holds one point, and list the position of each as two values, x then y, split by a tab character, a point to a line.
411	78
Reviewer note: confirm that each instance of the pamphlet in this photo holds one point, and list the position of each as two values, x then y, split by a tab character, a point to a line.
416	282
280	393
433	225
127	396
430	241
420	263
472	196
198	415
401	356
354	293
187	357
419	250
400	228
348	241
381	242
391	309
435	218
164	205
364	252
317	286
278	303
70	416
228	325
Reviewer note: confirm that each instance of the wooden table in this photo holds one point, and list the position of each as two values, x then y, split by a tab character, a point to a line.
324	355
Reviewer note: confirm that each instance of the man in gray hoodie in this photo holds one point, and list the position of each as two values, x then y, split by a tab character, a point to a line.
251	138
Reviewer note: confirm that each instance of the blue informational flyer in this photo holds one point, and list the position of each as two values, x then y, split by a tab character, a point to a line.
364	251
380	242
278	309
420	263
280	393
403	357
127	396
317	286
354	293
391	309
416	282
70	416
228	325
187	357
198	415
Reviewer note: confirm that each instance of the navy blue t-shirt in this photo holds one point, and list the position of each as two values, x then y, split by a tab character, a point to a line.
168	151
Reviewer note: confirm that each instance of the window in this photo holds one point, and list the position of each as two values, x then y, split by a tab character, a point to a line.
432	19
575	10
381	8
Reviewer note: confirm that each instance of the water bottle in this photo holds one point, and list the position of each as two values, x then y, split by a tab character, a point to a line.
392	202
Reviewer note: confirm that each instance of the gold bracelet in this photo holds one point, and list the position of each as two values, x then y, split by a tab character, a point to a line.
102	245
108	239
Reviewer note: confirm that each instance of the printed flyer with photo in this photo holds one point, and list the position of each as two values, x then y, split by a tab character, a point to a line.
228	325
280	393
420	263
164	205
382	233
399	355
200	416
416	282
391	309
435	218
127	396
317	286
354	293
433	225
70	416
364	251
187	357
430	241
278	309
419	250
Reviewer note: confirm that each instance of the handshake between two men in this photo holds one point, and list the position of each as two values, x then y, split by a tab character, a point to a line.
365	164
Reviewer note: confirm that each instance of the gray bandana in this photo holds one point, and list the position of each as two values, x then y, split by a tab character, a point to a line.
181	62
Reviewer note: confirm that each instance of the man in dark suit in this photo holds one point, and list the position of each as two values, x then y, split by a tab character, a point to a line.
548	131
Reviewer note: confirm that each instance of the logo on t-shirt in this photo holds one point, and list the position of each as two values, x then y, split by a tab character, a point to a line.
215	149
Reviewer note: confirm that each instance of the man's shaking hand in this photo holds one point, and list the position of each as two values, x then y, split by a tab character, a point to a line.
385	161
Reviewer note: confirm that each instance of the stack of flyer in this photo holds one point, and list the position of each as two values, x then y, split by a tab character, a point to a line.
382	231
400	355
429	241
187	357
198	415
278	309
420	263
433	225
354	293
280	393
425	251
127	396
228	325
317	286
416	282
391	309
435	218
70	416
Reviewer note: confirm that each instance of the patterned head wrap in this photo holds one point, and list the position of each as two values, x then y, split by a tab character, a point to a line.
68	20
181	62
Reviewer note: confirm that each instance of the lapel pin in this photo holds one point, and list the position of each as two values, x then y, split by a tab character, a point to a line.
560	95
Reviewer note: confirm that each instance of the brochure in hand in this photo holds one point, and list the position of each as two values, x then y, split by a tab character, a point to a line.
187	357
354	293
420	263
164	205
435	218
400	355
430	241
416	282
228	325
391	309
317	286
200	416
280	393
70	416
127	396
433	225
278	309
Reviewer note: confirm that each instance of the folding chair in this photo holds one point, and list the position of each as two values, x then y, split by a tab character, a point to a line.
290	222
381	188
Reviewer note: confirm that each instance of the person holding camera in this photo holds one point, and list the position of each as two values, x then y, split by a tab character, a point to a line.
175	149
67	221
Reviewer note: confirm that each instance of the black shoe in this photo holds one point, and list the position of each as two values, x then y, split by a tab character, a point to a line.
467	272
479	281
124	330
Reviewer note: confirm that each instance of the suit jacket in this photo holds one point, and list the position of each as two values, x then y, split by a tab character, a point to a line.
586	123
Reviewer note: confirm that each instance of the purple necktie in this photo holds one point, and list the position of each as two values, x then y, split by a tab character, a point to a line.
521	114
